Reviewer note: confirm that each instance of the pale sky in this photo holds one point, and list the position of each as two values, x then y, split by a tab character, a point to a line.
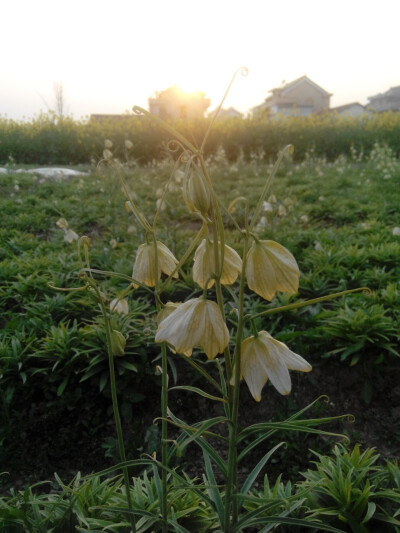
113	55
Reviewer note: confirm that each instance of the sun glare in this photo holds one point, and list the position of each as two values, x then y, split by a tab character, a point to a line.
192	84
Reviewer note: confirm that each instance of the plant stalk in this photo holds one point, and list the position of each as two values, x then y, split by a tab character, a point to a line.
231	510
114	400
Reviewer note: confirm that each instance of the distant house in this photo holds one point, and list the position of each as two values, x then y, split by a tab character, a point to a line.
299	97
352	110
388	101
231	112
175	103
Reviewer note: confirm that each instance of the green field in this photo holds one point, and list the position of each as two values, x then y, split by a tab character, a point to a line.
340	219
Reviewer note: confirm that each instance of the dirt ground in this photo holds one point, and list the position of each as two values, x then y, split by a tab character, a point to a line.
41	451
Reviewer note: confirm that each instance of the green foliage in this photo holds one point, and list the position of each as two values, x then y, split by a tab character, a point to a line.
349	489
47	140
91	505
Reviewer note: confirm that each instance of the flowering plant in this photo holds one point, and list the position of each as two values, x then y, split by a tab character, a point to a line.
235	346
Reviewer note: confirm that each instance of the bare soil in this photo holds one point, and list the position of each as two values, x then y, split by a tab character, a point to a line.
64	442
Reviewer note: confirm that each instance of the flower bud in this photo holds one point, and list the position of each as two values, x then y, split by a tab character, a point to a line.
118	343
197	194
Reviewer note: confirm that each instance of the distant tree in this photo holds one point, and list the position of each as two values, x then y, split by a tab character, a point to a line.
58	108
58	89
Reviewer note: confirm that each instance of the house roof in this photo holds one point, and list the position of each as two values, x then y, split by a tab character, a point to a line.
347	106
287	87
176	91
230	112
392	92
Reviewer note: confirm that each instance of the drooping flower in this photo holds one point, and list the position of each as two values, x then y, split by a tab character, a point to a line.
282	211
263	358
271	268
128	144
119	306
62	223
197	322
144	268
204	264
107	154
70	235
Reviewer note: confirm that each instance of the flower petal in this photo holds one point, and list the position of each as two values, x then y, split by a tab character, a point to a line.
215	335
270	268
204	265
274	365
250	369
232	266
166	259
176	329
286	268
144	267
201	265
260	272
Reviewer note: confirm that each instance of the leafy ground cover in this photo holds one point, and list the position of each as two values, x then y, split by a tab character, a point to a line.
341	221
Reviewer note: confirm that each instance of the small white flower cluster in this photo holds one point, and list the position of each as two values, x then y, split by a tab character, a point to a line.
384	161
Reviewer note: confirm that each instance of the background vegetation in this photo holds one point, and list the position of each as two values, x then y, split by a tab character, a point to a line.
48	140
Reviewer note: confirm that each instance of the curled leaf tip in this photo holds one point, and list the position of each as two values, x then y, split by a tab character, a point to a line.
138	110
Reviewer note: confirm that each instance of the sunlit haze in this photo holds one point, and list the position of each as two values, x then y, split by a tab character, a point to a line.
110	56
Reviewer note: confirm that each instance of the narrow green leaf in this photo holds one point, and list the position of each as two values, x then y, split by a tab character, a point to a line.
198	391
257	469
61	387
213	490
127	365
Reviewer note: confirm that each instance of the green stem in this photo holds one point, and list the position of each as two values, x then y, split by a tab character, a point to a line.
164	403
114	400
164	439
231	511
219	249
297	305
